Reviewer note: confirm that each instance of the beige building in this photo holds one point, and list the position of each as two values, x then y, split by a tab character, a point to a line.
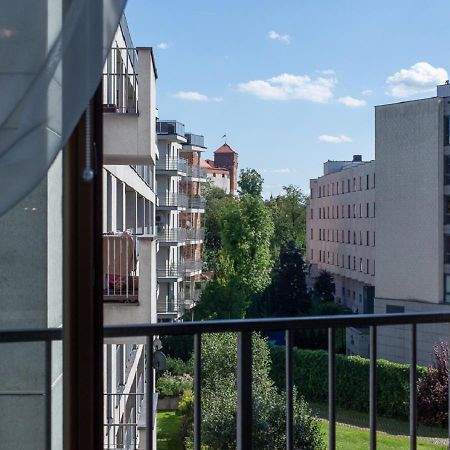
341	236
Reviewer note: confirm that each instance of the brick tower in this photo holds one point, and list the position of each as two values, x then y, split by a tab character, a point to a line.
227	158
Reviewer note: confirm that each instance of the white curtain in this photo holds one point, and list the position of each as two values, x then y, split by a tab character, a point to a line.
51	60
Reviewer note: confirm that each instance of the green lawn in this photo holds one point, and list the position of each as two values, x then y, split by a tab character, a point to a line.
348	437
351	438
168	431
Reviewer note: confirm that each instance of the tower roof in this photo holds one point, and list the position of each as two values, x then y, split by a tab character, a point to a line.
225	148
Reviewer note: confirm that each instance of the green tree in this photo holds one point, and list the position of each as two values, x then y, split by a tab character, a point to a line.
289	295
219	395
250	182
289	217
324	287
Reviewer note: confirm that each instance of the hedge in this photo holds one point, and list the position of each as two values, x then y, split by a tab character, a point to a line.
352	380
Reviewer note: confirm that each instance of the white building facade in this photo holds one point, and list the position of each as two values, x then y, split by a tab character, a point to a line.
341	236
129	240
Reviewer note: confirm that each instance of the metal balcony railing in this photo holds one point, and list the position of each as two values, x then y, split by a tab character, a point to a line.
195	139
173	200
197	203
145	172
244	330
195	234
171	235
172	164
192	265
120	278
123	414
171	271
170	305
196	172
170	127
120	81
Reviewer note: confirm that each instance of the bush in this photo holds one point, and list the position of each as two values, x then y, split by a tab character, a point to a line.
352	380
177	366
180	347
173	386
432	389
219	400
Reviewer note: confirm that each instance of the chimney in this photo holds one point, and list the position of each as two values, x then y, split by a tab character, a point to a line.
357	158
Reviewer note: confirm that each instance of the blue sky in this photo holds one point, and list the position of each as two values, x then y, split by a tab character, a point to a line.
291	82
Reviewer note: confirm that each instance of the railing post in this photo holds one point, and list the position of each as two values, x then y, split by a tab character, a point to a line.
244	426
150	383
373	387
197	391
331	388
413	390
48	394
289	393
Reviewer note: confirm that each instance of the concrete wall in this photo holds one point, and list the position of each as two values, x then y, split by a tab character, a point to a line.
409	224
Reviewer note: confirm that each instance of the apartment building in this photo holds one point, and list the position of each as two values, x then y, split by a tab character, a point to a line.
222	171
179	219
129	241
388	248
412	150
341	236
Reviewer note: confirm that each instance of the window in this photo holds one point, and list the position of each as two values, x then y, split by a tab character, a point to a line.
342	187
354	211
360	264
348	237
360	238
354	184
373	181
354	263
447	289
367	266
312	254
367	181
354	237
332	235
373	244
342	215
328	189
320	191
337	212
342	237
348	262
332	189
446	130
373	209
320	255
328	212
360	214
337	187
328	257
328	235
367	209
348	207
312	215
367	238
447	210
311	234
320	213
360	184
348	185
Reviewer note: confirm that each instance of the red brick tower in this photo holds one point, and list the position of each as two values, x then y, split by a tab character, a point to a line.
226	157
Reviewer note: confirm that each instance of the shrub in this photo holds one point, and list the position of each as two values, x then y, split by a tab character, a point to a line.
432	389
352	380
172	386
177	366
219	400
178	346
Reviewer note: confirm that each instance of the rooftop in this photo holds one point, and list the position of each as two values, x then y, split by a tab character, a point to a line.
225	148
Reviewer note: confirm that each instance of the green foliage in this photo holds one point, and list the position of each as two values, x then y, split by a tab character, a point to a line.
176	366
250	182
324	287
219	400
179	347
169	385
289	296
352	380
289	216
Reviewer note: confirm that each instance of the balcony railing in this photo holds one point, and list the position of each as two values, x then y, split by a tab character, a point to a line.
172	235
171	271
172	164
120	81
197	203
170	127
145	173
195	139
192	265
169	305
123	415
244	330
196	172
120	279
195	234
173	200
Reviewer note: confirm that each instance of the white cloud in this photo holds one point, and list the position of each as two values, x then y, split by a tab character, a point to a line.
279	37
367	92
334	139
291	87
352	102
163	45
194	96
420	78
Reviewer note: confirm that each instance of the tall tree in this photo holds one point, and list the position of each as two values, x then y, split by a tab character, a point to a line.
324	287
250	182
289	295
289	217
